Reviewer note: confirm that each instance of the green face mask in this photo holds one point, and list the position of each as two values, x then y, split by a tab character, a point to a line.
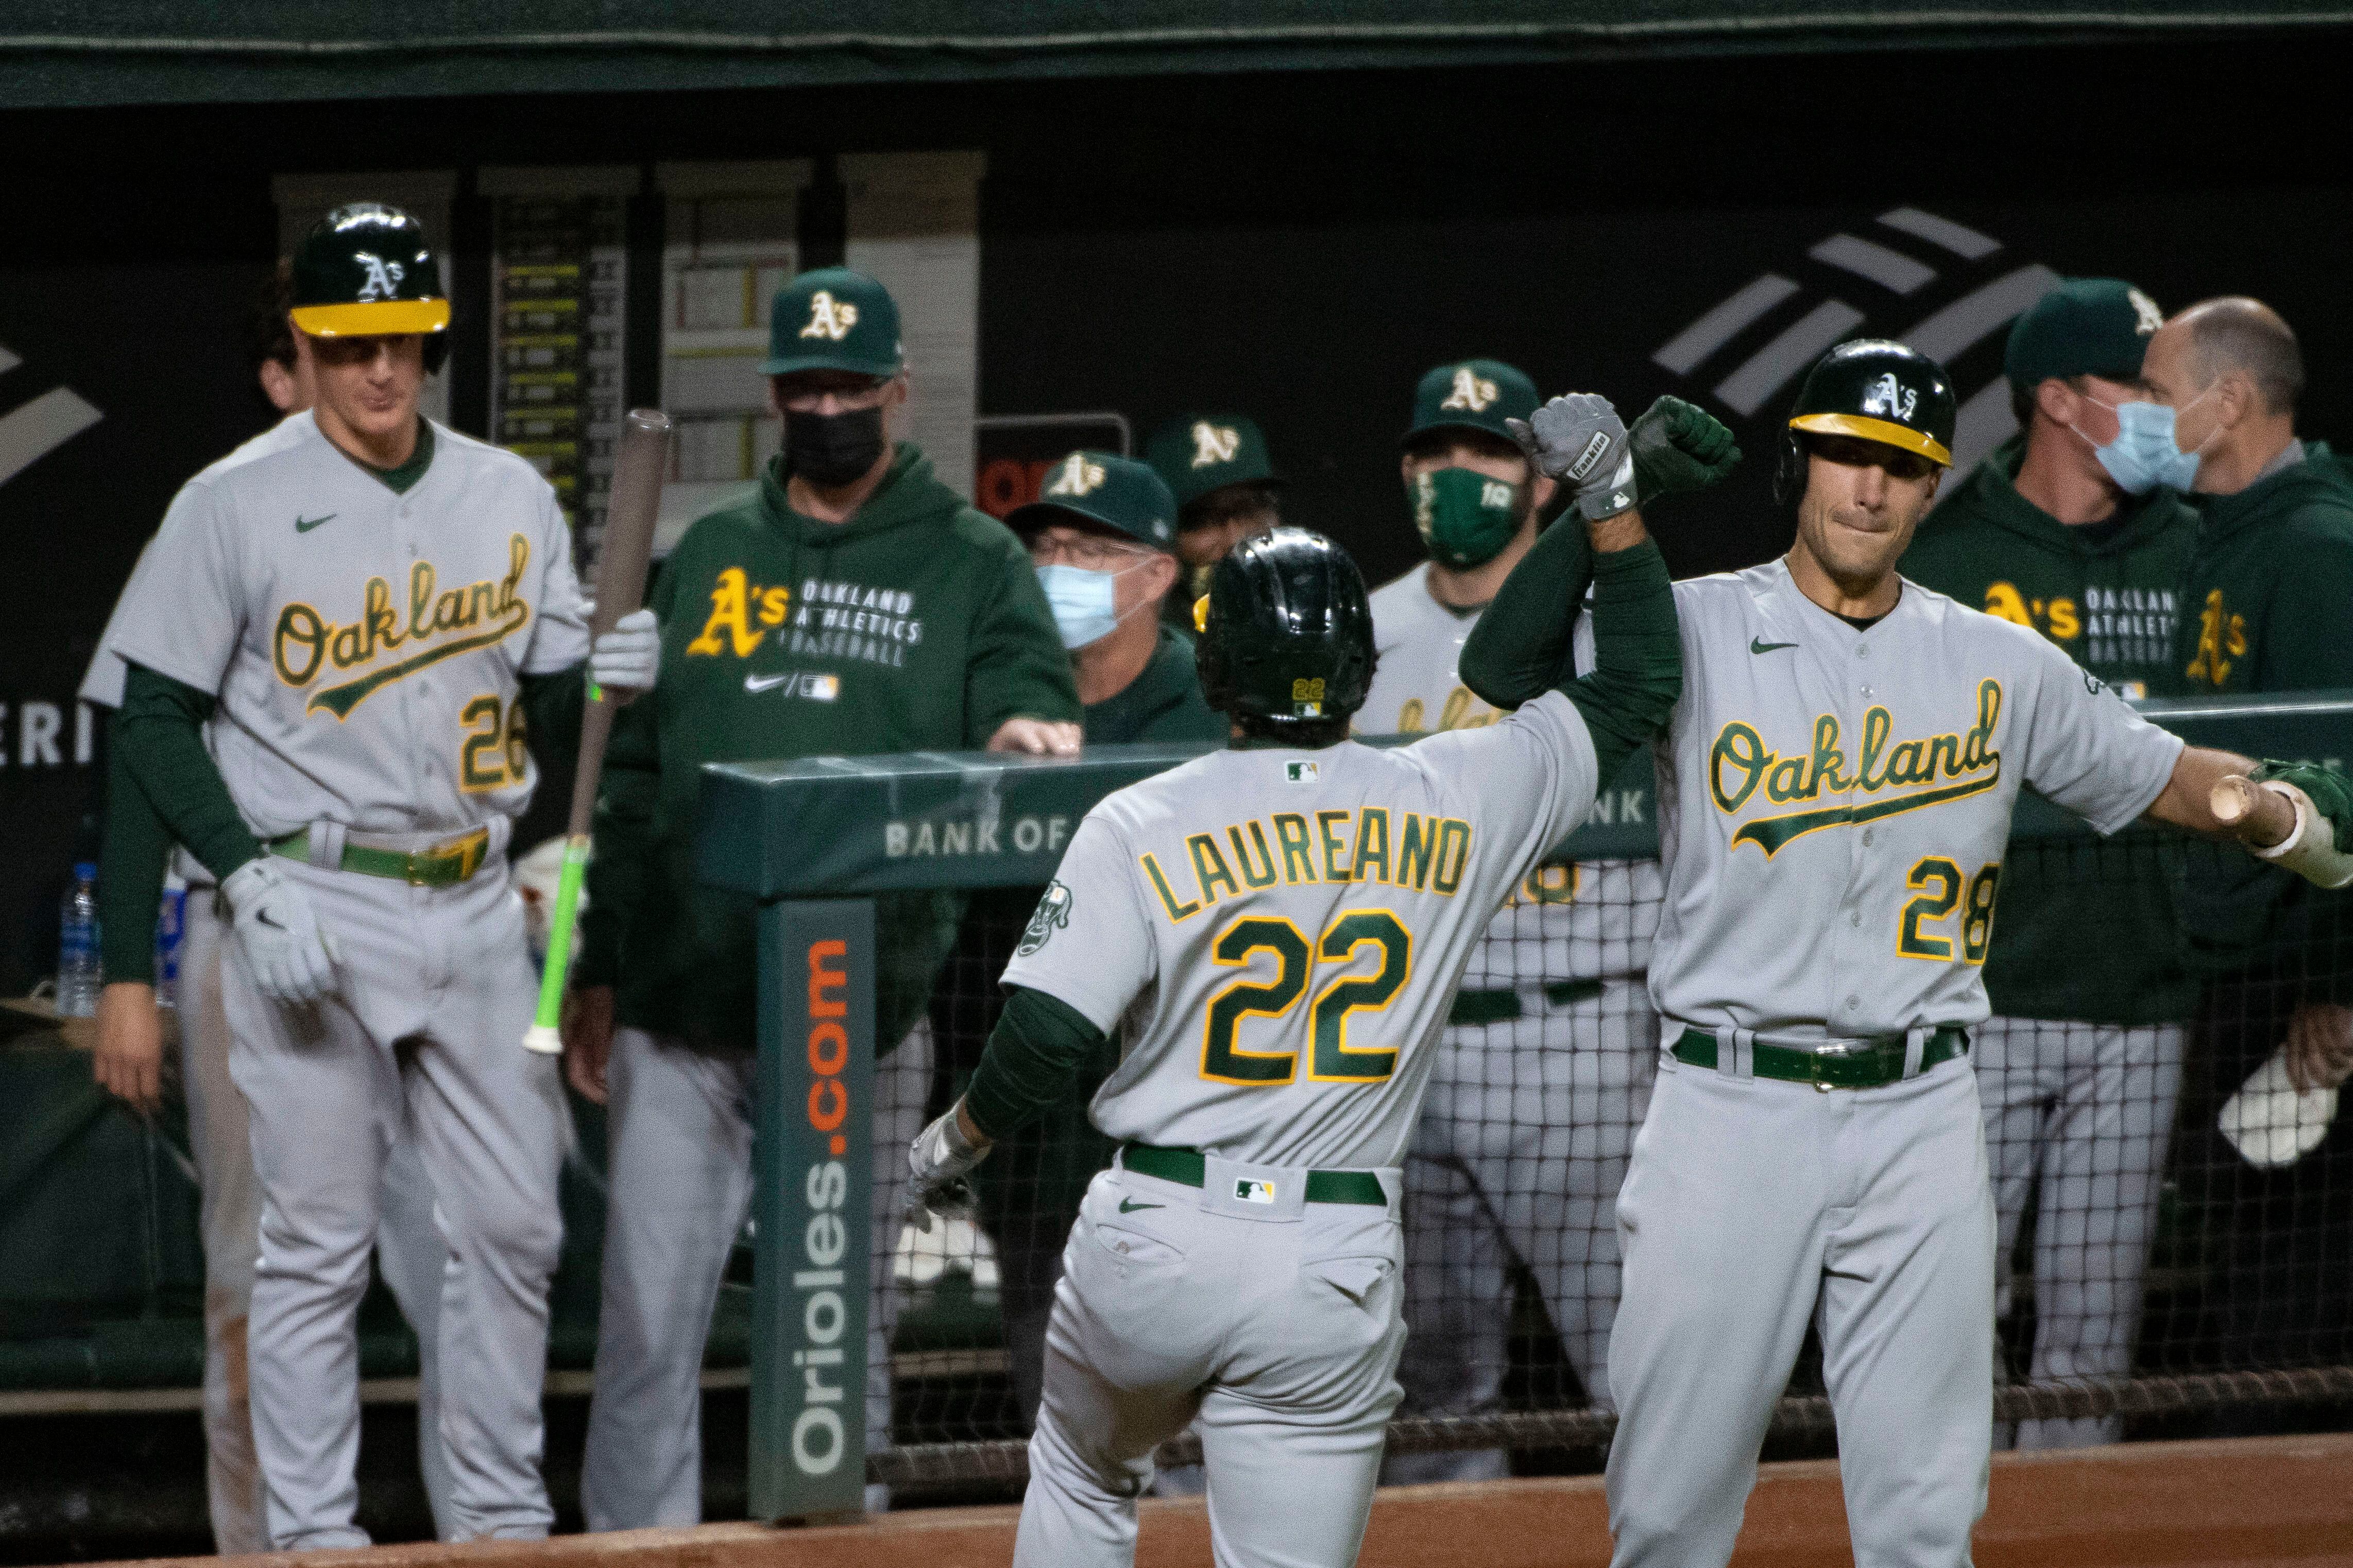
1465	518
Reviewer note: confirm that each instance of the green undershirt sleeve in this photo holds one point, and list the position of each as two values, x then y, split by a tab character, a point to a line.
1522	646
551	705
1038	1047
159	734
1638	655
131	853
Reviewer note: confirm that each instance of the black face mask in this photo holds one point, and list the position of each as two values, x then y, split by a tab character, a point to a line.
832	449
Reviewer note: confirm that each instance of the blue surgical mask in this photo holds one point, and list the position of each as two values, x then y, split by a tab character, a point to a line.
1085	602
2145	455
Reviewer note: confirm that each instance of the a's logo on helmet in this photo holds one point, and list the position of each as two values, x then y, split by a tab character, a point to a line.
1890	398
829	317
383	276
1213	443
1471	391
2147	317
1075	476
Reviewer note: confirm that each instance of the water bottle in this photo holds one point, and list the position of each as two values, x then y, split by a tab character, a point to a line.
171	932
78	974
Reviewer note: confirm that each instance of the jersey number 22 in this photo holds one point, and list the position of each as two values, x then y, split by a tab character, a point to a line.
1333	1060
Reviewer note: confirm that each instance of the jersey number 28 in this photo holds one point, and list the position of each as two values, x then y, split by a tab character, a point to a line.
1333	1060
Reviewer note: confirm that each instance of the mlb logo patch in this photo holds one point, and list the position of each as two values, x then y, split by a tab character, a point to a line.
822	688
1250	1192
1299	772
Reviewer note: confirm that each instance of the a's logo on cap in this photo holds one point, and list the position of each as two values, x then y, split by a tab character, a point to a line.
2147	317
829	317
1472	391
1890	398
1213	443
1075	476
383	276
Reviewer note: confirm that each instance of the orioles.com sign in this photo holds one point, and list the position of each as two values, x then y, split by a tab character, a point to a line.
812	1238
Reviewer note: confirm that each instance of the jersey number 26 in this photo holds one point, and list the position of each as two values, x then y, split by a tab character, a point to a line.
1333	1060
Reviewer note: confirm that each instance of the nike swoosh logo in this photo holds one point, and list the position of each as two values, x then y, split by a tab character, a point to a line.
764	682
305	524
1755	645
1129	1206
262	917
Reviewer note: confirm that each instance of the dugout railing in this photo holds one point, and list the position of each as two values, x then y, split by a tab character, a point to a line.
817	842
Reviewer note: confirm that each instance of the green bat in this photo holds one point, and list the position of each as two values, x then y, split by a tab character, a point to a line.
620	587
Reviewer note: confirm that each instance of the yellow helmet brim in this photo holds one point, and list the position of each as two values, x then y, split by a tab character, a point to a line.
372	318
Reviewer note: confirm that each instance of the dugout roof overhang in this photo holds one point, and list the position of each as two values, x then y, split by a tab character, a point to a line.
67	53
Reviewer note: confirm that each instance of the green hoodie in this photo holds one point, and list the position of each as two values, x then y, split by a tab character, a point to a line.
918	625
2102	947
2269	608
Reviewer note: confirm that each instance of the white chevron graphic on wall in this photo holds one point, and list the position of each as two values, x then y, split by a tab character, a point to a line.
34	429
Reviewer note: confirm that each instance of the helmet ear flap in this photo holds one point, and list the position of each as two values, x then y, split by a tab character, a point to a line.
1789	472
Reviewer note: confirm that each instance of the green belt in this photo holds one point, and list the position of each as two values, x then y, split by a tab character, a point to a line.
445	865
1500	1006
1186	1168
1874	1064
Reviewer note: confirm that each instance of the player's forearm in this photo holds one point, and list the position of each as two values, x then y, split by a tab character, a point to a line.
160	733
1638	661
1522	646
2186	801
1037	1049
131	854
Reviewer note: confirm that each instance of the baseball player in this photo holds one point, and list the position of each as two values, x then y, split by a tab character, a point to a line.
129	1061
2081	1064
331	649
855	604
1539	1081
1834	795
1276	929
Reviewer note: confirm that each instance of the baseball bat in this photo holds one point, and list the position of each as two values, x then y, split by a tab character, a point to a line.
636	497
2277	822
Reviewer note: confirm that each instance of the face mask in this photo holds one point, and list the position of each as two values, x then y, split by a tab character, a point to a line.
1465	518
2144	454
830	449
1085	602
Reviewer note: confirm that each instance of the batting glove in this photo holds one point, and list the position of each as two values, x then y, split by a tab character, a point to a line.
939	1160
1679	448
289	958
628	657
1580	441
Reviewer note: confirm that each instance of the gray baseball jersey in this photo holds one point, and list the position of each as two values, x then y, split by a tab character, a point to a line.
1282	930
1833	803
365	645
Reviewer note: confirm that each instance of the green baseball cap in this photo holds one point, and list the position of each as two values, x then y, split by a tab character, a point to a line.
1117	493
833	318
1204	452
1472	394
2086	326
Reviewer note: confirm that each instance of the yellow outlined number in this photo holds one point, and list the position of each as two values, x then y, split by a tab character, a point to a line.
496	752
1335	1062
1943	890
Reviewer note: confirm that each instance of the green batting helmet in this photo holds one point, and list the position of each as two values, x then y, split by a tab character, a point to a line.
1286	631
366	269
1874	390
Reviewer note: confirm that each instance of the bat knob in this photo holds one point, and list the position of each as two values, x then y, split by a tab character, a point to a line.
544	1040
2233	799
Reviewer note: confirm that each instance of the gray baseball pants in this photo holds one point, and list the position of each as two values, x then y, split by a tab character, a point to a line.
1521	1149
679	1179
1753	1207
420	1045
2080	1117
1274	1329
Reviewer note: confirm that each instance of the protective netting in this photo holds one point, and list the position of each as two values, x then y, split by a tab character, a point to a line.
2159	1275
